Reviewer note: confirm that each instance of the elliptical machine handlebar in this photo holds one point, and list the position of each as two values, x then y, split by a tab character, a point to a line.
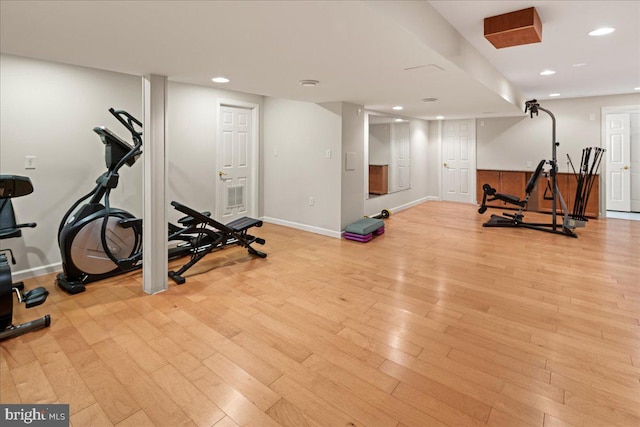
128	123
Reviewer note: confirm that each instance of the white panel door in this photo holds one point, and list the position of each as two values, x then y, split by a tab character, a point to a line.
618	163
234	163
458	160
634	166
399	167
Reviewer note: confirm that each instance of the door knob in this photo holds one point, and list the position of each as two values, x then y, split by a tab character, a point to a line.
445	165
625	167
220	174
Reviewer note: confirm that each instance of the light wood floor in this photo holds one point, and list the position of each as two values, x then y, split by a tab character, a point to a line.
436	322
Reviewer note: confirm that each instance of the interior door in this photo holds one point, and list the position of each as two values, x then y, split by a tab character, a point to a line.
235	169
399	161
618	162
634	166
458	160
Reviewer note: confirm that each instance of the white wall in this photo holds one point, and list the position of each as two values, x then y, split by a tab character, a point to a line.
422	173
49	110
352	186
434	172
192	136
296	137
508	143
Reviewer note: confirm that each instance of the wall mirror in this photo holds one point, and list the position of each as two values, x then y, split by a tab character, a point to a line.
389	154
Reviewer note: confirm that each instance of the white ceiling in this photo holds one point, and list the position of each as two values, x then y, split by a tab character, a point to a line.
612	62
359	51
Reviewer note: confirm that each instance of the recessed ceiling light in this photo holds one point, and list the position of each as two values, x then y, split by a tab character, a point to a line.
602	31
220	80
547	72
439	117
579	64
554	94
309	83
398	107
398	120
636	88
429	99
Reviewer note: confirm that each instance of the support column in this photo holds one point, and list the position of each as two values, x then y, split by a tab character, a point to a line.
155	229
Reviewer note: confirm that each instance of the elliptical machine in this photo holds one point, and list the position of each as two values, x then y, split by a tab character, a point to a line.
15	186
98	241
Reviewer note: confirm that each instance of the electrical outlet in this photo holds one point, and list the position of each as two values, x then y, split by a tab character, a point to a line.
29	162
529	164
327	154
311	201
275	152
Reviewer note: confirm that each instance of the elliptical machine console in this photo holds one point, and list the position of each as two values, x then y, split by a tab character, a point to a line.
97	241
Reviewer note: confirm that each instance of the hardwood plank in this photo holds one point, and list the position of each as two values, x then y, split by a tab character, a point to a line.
440	410
289	415
313	407
195	404
32	384
386	403
543	388
259	394
330	392
8	390
113	397
440	388
138	419
155	403
90	416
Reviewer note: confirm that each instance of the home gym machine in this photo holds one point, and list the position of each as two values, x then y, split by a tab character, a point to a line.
516	220
98	241
15	186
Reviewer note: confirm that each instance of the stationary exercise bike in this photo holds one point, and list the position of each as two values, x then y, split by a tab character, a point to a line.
98	241
15	186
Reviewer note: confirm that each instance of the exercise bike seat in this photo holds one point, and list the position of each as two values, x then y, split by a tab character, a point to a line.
35	297
189	221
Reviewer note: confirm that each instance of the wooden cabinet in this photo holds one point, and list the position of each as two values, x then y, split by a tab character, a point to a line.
507	182
378	179
514	183
567	185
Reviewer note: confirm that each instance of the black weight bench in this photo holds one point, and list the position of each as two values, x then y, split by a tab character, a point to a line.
219	235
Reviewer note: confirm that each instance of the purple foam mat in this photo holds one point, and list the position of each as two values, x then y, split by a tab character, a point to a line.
379	231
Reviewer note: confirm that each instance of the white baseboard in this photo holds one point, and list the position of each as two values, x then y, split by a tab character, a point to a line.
18	276
303	227
410	204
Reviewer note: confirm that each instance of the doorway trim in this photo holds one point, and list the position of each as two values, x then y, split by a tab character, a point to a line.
252	196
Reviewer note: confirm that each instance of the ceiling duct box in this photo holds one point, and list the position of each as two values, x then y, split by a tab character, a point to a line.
513	28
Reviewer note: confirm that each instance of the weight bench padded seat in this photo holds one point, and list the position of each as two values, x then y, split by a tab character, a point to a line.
508	198
365	226
244	223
